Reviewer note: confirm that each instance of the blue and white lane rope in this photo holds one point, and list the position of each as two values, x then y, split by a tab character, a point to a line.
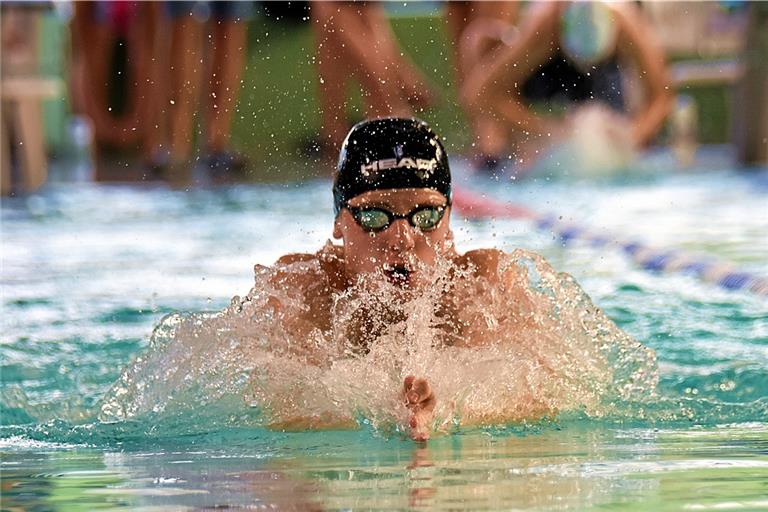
650	258
661	260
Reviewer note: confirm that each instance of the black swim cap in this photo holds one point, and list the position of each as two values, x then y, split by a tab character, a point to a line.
390	153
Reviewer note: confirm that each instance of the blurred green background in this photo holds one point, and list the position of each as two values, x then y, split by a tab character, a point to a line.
277	115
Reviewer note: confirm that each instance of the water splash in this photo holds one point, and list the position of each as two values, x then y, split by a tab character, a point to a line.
528	346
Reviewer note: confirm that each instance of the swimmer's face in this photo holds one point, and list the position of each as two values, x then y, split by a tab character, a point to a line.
400	248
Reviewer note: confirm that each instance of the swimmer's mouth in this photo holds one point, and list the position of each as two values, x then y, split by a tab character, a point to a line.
398	274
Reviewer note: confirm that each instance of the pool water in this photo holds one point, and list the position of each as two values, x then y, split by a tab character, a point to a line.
88	270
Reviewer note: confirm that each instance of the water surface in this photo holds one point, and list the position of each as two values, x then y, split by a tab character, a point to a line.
89	270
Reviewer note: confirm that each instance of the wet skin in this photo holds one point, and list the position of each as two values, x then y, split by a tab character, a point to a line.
398	251
400	248
420	401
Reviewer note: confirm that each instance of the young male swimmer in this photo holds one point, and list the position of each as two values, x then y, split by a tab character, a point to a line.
392	327
392	197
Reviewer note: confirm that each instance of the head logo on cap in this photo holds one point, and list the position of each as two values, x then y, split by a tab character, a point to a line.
390	153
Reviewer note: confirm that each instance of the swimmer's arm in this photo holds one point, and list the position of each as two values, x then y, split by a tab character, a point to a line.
639	41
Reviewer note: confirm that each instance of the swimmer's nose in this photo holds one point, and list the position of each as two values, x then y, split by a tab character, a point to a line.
402	235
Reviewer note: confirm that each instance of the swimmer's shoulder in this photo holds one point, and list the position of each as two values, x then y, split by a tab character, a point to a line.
482	262
329	260
329	254
495	263
297	271
315	275
299	257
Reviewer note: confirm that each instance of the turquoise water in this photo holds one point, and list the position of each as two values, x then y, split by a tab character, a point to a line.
89	270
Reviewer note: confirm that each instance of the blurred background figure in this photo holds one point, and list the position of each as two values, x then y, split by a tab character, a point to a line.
568	55
355	40
477	30
751	130
137	70
208	47
24	158
114	75
134	109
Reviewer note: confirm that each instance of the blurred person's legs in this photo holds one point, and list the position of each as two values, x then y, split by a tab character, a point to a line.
94	37
222	64
751	112
354	39
371	57
491	91
333	74
567	54
477	30
412	83
186	70
156	92
228	54
113	78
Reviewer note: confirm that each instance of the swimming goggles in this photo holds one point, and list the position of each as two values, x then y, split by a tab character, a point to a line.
374	219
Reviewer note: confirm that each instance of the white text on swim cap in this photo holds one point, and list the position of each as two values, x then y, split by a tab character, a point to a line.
393	163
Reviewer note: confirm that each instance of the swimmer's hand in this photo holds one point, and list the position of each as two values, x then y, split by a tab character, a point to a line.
420	401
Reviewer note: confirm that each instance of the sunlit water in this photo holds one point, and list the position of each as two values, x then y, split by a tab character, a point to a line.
88	271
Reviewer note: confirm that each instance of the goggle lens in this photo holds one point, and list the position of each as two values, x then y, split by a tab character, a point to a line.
373	219
425	218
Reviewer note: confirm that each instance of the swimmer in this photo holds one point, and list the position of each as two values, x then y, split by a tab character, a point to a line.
392	197
393	324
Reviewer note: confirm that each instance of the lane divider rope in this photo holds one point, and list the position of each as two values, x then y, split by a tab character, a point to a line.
476	206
